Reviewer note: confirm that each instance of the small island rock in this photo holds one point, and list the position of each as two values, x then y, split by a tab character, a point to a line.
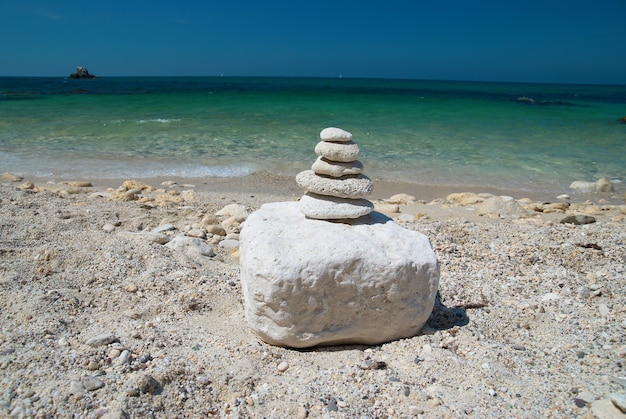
82	73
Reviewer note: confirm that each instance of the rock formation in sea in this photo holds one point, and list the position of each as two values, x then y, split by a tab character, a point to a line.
82	73
329	270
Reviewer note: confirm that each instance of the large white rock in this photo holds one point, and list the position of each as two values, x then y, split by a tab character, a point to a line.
310	282
233	210
324	207
357	186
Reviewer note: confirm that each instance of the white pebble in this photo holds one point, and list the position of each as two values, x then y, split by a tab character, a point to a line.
282	367
18	412
164	227
101	340
91	383
550	297
604	310
108	228
131	288
302	412
415	411
583	292
123	359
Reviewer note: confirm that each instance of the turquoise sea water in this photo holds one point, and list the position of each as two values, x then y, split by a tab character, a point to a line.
426	132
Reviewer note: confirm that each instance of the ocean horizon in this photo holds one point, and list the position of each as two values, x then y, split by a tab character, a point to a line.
504	135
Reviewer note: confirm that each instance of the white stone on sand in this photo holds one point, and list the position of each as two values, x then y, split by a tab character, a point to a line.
191	245
233	210
310	282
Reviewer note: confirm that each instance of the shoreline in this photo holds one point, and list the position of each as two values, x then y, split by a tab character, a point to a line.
267	183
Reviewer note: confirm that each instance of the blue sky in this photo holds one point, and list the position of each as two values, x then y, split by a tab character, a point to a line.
522	41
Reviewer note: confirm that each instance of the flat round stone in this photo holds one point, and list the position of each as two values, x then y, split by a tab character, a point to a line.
335	134
352	186
323	207
324	166
342	152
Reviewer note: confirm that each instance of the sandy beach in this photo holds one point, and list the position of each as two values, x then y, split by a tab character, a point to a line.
102	319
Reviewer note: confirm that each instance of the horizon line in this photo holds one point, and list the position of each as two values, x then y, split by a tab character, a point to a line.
340	77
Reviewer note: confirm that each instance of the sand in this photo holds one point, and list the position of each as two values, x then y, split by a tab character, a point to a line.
100	320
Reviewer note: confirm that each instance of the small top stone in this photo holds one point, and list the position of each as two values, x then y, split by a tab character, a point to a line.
335	134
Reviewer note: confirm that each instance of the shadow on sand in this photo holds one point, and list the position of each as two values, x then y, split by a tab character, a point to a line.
443	318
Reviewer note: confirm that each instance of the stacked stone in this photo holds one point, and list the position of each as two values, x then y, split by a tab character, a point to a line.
335	187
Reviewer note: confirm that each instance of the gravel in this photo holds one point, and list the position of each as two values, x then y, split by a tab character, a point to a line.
529	321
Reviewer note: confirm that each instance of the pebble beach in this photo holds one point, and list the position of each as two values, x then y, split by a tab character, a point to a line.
121	298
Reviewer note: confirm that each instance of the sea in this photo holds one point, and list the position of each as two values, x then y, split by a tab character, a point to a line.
504	135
